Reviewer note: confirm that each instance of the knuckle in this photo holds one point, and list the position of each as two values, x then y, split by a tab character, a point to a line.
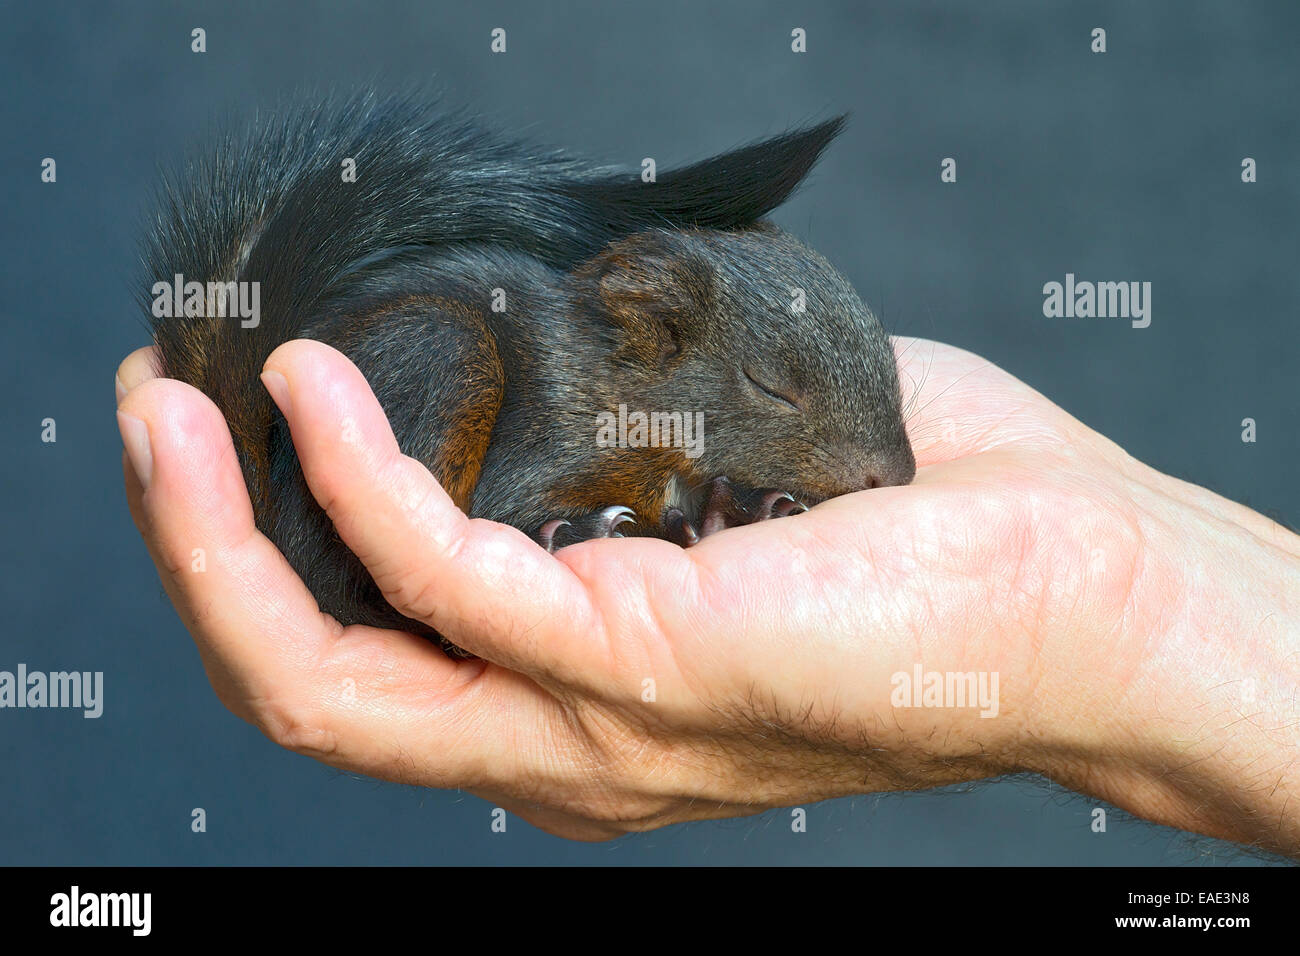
296	727
412	591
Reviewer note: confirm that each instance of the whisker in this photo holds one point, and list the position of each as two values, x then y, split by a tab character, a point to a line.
955	381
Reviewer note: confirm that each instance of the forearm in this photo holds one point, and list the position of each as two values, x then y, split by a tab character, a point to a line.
1187	713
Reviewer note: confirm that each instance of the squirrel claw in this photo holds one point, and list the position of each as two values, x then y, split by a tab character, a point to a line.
771	501
546	533
610	518
728	505
790	506
560	532
680	531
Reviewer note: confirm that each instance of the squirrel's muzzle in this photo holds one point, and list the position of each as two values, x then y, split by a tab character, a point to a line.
898	467
881	468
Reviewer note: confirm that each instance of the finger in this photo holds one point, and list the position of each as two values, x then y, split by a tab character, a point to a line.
360	698
484	585
137	368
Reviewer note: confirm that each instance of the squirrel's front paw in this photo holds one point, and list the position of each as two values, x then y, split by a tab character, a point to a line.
604	523
727	505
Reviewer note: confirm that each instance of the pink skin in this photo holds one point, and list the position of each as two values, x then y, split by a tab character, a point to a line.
1125	613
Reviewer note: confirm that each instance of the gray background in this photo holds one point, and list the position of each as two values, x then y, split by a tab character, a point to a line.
1117	166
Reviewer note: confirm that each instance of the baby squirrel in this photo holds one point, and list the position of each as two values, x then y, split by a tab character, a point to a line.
499	299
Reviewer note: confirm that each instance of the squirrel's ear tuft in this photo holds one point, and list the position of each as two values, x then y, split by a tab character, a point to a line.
650	289
729	191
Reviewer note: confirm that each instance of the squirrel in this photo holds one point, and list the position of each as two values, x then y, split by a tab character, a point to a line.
500	299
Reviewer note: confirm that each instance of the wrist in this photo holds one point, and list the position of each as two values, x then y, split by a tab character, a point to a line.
1184	712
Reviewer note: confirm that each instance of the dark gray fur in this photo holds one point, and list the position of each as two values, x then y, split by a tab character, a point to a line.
665	296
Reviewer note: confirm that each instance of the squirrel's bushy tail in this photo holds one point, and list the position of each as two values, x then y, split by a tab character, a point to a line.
273	206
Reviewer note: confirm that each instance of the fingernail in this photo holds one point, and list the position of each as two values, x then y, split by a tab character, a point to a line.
135	438
278	386
119	388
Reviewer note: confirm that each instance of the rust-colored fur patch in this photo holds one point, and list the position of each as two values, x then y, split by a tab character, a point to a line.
636	478
459	459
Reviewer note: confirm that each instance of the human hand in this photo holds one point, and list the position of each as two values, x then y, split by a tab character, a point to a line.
1120	609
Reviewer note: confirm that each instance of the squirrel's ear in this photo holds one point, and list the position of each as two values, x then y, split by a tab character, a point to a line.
729	191
652	290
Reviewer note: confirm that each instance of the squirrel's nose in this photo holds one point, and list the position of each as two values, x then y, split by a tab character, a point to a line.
897	466
901	466
861	468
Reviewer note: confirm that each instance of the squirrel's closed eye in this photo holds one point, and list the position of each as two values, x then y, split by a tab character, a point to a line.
770	393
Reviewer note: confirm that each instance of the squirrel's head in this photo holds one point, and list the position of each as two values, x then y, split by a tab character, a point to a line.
796	381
